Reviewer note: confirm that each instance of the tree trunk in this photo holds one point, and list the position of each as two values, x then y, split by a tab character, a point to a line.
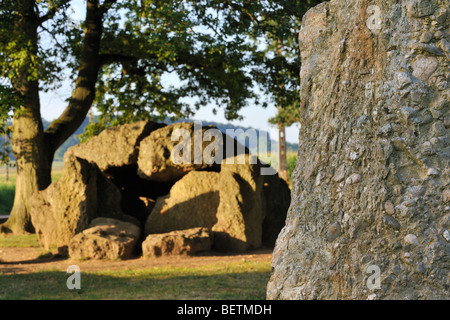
33	148
33	161
28	143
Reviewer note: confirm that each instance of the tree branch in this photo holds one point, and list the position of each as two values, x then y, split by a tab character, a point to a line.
84	93
109	58
55	39
51	12
107	4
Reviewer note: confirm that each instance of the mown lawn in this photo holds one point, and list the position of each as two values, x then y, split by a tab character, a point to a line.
241	280
18	241
235	281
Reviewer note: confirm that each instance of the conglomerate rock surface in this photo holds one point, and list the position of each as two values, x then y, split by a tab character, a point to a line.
370	216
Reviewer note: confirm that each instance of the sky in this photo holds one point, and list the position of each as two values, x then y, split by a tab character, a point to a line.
53	103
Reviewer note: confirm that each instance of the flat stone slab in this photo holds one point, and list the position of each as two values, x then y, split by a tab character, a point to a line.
180	242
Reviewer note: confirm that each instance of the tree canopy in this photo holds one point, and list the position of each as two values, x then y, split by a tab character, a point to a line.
217	51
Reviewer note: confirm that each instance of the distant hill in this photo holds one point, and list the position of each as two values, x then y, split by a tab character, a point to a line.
223	128
59	154
73	139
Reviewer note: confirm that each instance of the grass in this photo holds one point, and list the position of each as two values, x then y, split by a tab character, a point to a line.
7	188
242	280
18	241
231	281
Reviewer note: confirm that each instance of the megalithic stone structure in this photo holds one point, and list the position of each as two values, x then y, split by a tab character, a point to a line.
370	212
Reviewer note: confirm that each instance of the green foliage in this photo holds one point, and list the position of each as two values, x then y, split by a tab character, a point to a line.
288	115
156	54
5	148
291	163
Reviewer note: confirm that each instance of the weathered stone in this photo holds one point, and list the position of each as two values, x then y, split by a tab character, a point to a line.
424	67
339	175
445	45
438	35
446	195
105	238
419	8
115	151
426	37
446	235
354	81
116	146
389	207
333	232
163	158
68	205
229	203
181	242
403	79
193	202
429	48
442	18
415	191
241	200
353	178
411	239
391	222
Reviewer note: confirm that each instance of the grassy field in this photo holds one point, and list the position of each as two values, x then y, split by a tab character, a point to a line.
19	241
241	280
7	188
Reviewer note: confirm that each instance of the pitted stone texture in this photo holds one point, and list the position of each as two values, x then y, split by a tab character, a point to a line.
171	152
229	203
68	205
105	238
179	242
354	82
116	146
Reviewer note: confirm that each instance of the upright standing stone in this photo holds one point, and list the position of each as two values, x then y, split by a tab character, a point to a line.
68	205
375	105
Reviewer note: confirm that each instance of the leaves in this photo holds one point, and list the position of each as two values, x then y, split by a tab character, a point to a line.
161	58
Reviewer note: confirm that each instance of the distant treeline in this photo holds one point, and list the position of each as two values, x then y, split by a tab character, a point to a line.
73	139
